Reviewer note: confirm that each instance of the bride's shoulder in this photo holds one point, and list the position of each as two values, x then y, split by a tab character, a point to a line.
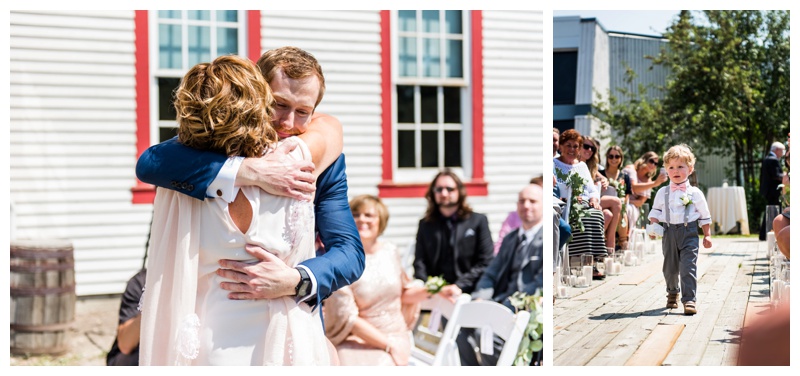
300	152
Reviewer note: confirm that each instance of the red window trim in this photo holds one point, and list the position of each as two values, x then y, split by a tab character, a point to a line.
145	193
142	193
477	186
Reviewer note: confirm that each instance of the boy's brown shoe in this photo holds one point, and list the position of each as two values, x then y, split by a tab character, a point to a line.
672	300
689	308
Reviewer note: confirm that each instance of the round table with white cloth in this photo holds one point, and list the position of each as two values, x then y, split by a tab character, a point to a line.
728	206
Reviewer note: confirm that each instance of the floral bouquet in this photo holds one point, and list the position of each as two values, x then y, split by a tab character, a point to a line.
434	284
532	337
576	212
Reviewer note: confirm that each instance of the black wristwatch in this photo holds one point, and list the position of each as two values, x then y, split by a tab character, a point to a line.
303	287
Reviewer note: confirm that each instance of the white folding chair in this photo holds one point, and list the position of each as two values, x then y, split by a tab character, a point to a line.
440	308
488	314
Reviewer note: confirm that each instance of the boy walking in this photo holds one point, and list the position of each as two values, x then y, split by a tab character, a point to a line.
681	207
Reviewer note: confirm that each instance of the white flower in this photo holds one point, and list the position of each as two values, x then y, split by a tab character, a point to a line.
686	199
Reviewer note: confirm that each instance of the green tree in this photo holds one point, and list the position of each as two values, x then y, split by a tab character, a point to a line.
727	92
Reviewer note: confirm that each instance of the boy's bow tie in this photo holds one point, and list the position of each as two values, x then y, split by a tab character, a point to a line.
677	187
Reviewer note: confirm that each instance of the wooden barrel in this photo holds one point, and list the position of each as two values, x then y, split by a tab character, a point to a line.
42	296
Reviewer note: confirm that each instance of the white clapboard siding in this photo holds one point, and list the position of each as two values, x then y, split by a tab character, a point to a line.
73	140
348	46
513	109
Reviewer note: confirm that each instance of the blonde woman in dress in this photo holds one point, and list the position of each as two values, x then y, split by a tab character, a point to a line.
370	321
187	319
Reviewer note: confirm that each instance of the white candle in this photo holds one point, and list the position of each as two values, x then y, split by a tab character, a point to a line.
628	258
581	281
777	289
609	263
785	295
562	291
770	242
587	272
617	268
573	281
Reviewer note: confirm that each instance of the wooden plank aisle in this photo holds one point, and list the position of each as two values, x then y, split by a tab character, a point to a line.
617	321
656	347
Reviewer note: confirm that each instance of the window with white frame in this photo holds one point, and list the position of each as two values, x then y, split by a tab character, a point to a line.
431	92
180	39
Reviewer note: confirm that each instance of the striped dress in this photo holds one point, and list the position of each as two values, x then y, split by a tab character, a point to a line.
592	239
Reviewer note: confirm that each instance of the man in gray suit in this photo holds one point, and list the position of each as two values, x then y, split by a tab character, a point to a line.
517	267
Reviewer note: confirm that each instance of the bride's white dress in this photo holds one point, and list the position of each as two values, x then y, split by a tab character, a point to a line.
187	319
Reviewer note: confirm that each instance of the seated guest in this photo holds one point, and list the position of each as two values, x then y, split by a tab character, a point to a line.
615	159
512	221
369	321
125	350
644	176
610	204
591	239
518	267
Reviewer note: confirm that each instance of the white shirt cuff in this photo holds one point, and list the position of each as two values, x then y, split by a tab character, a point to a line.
223	185
301	299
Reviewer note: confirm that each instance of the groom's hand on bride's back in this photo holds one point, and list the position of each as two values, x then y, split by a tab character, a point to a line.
269	278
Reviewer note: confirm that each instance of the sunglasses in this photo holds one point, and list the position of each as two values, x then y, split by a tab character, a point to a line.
587	147
440	189
652	161
614	156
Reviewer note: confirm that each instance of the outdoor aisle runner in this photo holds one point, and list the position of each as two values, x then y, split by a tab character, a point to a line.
624	320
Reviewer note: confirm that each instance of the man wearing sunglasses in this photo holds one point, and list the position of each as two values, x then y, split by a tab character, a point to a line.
452	241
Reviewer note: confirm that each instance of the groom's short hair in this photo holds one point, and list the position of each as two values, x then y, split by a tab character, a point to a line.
295	62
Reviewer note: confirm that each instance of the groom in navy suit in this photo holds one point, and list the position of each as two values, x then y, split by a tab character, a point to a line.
203	174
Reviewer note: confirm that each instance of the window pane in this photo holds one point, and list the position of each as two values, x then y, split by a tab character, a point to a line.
430	149
199	45
199	14
407	56
453	58
452	105
407	20
452	20
429	106
452	148
169	14
565	72
166	88
169	46
405	104
431	57
165	133
405	149
227	15
430	21
227	41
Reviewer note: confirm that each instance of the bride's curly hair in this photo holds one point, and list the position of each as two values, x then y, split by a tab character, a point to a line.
225	106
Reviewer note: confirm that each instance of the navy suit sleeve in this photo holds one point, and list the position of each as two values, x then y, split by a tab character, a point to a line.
175	166
486	284
343	261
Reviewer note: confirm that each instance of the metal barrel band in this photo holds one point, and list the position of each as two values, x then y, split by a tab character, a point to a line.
28	253
41	327
36	291
53	350
33	268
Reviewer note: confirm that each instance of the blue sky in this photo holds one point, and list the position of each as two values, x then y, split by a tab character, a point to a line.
648	22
